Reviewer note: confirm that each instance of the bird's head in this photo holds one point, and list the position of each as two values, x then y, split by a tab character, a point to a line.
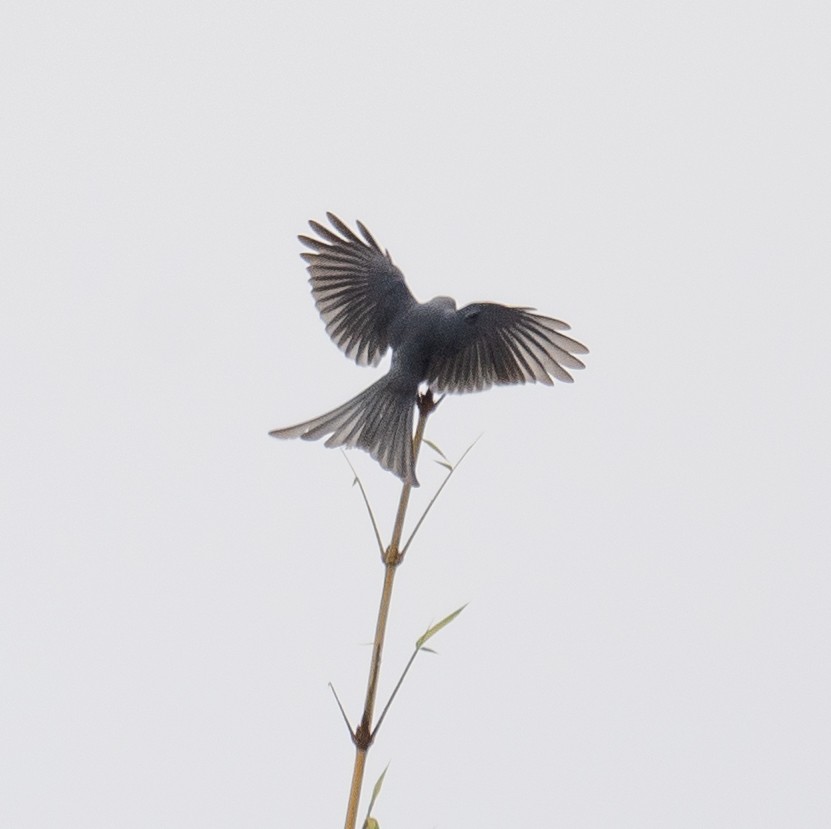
443	303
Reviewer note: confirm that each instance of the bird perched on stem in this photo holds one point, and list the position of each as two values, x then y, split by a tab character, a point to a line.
367	308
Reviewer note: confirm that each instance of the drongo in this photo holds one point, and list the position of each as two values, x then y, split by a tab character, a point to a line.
367	308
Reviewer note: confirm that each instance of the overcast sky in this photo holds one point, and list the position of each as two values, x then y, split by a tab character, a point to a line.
645	552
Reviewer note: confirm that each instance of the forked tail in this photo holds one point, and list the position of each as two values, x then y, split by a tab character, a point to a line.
379	420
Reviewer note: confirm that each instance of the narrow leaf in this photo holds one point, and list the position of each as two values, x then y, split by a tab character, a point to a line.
432	631
370	822
376	789
434	447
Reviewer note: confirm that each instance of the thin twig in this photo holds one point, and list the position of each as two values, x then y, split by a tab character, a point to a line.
394	692
435	497
342	712
419	646
366	501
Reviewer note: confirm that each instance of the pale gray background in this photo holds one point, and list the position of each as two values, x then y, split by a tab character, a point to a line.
645	552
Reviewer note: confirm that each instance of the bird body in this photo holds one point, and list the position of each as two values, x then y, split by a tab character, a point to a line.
367	308
421	333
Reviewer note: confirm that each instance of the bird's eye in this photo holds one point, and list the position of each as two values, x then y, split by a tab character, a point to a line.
470	316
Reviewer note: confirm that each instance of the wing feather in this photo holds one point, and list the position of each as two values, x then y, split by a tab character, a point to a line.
357	289
500	345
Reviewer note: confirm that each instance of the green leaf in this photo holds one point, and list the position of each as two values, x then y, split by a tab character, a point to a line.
370	822
432	631
376	789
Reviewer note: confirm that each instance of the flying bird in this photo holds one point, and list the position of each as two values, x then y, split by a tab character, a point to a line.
367	308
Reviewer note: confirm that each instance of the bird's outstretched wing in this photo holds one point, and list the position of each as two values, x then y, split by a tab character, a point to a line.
357	289
497	344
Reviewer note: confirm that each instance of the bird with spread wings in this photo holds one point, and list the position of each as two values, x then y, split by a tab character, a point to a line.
367	308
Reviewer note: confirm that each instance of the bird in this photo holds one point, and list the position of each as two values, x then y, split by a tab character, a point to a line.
367	308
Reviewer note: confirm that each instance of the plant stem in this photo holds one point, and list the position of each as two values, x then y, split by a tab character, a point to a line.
391	558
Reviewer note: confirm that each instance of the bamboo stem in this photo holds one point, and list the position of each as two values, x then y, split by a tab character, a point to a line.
391	558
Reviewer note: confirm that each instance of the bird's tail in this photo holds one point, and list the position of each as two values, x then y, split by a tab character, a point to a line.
379	420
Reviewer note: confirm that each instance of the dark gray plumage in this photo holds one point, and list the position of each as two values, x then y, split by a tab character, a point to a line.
367	307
